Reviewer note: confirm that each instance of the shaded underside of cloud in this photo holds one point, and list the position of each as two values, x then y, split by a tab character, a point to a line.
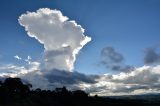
69	77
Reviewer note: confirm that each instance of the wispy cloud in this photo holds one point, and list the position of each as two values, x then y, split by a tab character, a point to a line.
17	57
12	70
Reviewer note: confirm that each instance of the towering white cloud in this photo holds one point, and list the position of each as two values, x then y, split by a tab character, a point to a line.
62	38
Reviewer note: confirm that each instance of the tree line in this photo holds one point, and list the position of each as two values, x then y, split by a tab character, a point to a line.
13	92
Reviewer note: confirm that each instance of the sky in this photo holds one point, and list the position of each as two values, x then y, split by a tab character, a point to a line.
105	47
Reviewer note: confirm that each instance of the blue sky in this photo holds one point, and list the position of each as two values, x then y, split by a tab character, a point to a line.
124	47
130	26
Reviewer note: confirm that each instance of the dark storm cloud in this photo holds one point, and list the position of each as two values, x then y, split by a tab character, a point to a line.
122	68
67	78
110	58
151	56
111	55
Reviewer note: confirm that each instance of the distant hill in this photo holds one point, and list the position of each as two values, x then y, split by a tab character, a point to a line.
149	97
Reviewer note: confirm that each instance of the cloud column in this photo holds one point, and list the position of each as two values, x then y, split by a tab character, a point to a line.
62	38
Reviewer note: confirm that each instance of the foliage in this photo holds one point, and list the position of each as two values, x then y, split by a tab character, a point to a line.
13	92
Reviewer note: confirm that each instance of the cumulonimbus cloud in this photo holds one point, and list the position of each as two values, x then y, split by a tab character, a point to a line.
62	38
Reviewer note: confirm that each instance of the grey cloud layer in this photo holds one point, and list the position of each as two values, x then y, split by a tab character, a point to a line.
143	79
110	58
151	56
65	77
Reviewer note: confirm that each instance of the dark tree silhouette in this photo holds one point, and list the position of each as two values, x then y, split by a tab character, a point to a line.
13	92
15	85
